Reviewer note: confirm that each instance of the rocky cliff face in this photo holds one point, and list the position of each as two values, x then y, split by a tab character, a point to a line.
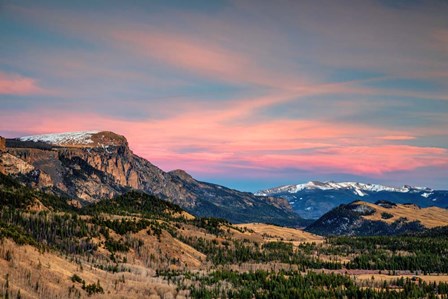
94	165
2	144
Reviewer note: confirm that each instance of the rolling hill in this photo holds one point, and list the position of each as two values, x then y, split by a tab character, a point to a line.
382	218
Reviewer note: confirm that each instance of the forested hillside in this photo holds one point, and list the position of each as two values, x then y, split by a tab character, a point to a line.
137	245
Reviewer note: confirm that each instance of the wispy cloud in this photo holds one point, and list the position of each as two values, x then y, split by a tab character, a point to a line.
13	84
205	58
396	137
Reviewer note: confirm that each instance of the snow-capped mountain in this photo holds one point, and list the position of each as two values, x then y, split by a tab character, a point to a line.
313	199
358	188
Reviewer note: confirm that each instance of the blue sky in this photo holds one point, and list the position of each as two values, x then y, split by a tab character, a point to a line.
249	94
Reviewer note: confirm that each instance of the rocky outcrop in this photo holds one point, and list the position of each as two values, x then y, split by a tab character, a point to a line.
103	166
14	165
2	144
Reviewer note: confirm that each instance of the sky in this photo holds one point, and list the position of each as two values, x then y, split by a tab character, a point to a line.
250	94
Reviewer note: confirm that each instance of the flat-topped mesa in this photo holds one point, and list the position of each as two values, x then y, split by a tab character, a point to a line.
84	139
109	138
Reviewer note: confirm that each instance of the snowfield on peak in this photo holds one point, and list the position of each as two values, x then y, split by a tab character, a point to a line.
357	188
69	138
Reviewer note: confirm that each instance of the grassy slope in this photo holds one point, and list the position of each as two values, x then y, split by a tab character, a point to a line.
428	217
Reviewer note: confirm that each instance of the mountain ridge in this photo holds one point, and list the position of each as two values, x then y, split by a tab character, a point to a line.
313	199
332	185
92	165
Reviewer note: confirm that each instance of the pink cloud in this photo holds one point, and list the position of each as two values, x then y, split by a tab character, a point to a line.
17	85
396	137
215	61
360	160
316	146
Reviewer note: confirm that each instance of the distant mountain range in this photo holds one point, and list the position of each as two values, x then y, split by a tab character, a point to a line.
313	199
88	166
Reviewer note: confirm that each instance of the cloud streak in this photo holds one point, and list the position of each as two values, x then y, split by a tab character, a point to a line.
13	84
205	59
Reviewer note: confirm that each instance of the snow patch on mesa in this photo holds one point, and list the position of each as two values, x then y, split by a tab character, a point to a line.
81	138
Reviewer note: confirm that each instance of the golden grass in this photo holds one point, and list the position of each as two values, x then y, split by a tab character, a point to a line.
429	217
271	233
184	215
384	277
